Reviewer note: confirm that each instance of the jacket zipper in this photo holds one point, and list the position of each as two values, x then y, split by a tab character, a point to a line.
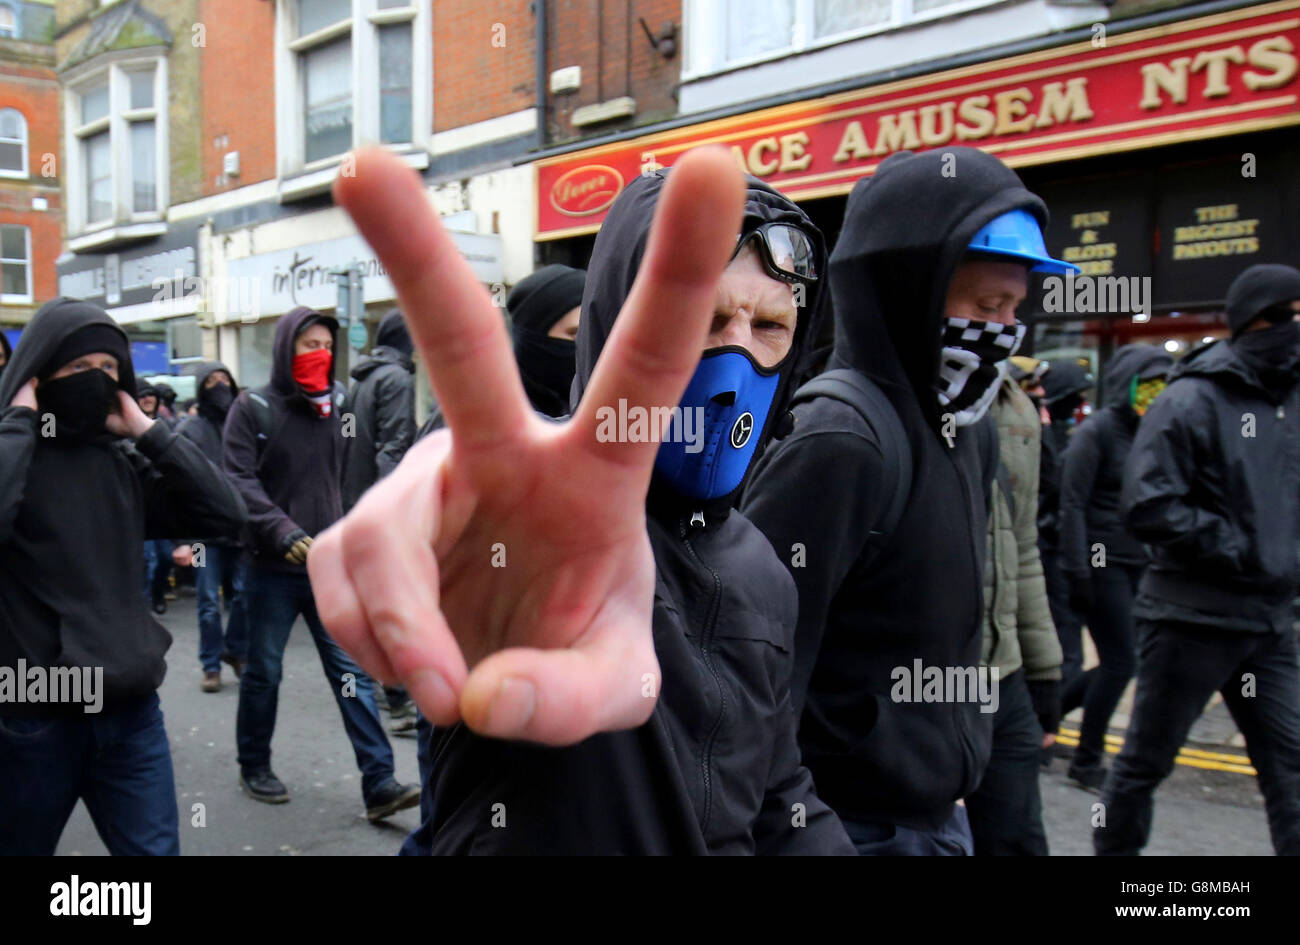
705	639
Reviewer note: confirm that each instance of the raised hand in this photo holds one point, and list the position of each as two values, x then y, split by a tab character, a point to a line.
503	572
129	419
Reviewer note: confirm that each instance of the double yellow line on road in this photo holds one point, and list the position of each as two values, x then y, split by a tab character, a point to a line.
1191	757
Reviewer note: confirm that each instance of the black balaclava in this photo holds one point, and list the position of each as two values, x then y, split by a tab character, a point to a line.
546	364
81	403
392	333
1266	292
214	402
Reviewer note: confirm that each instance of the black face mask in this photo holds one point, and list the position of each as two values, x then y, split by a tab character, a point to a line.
547	366
1273	352
215	401
80	404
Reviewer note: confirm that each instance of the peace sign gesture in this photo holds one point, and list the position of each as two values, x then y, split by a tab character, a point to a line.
503	572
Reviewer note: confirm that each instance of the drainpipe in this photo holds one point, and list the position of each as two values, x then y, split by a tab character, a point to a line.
539	8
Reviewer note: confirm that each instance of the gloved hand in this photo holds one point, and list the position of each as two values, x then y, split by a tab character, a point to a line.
1081	595
1045	694
295	546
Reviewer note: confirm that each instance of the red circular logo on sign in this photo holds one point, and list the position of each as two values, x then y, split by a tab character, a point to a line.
586	190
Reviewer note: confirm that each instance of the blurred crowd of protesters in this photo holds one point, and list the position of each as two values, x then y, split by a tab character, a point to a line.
858	592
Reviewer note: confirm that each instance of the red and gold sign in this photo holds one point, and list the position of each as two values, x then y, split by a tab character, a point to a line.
1216	75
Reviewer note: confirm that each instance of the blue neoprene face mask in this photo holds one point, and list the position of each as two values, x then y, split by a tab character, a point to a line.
708	449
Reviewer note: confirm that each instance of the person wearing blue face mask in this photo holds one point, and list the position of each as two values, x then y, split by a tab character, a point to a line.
616	679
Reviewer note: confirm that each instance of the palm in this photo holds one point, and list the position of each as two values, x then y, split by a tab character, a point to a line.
508	556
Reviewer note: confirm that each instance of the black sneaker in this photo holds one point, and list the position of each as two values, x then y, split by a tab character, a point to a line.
160	605
264	786
390	798
1088	777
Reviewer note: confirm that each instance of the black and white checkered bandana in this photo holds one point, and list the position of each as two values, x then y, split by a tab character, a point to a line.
972	365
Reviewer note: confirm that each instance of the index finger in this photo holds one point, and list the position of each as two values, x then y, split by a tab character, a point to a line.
459	332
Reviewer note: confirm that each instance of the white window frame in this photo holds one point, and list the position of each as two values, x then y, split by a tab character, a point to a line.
26	143
124	222
21	299
297	177
705	32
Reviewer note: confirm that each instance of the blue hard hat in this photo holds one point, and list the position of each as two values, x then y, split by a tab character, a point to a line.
1017	234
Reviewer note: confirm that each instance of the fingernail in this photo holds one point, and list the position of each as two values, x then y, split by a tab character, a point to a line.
512	707
428	688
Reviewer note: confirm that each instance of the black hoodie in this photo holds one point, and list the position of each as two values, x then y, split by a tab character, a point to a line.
289	478
1213	485
821	491
381	405
716	768
205	427
73	518
1093	473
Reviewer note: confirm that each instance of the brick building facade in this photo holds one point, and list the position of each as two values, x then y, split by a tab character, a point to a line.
30	199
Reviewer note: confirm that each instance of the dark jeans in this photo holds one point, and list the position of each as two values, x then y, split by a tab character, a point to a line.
1069	628
1110	624
275	599
419	842
157	567
118	761
221	565
1006	810
882	839
1179	667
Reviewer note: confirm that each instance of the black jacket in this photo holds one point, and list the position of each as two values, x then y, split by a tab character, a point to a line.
1213	484
381	404
204	429
290	479
716	768
73	518
1094	468
821	491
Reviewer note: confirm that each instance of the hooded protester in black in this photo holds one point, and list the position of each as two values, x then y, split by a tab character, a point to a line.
288	469
206	428
76	506
1213	482
381	404
546	364
821	491
716	768
1094	465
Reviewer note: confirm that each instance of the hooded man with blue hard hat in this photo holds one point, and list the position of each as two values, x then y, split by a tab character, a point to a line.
886	481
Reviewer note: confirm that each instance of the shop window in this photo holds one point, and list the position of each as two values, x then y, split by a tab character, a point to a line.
184	341
8	22
754	30
15	264
348	72
13	143
116	145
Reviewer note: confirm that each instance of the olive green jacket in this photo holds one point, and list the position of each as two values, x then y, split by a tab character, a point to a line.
1018	629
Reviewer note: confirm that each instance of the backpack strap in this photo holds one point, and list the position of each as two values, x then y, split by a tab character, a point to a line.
863	395
265	418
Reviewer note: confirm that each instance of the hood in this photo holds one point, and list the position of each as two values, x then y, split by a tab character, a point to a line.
392	333
377	358
905	230
1125	364
205	369
616	258
287	330
1064	377
46	331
